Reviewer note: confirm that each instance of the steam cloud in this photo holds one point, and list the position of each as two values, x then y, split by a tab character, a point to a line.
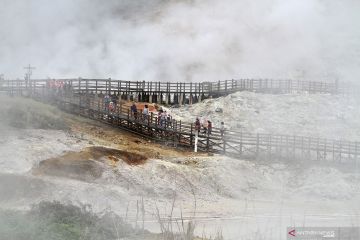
181	40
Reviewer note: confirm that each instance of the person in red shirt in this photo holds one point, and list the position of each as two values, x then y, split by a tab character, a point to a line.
209	127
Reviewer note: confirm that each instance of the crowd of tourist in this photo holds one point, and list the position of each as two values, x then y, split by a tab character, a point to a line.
160	117
206	126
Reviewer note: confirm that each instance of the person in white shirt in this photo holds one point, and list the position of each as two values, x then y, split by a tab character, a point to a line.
145	112
222	129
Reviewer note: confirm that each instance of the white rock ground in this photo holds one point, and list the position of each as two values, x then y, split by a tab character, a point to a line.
246	199
318	115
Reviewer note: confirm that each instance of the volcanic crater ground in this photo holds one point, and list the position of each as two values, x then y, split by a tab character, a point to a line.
87	164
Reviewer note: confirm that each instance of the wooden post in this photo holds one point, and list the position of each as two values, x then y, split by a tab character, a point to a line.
191	134
199	99
356	157
96	86
224	145
79	85
168	100
43	93
287	146
355	153
196	141
289	86
340	150
325	150
294	147
270	146
109	86
241	142
127	90
98	109
302	147
181	96
79	103
128	117
207	143
317	150
191	96
257	144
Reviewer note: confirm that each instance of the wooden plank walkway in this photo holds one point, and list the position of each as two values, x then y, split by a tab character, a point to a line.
84	97
172	93
233	143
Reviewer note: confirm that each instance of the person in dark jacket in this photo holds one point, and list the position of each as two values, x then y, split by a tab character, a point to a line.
134	110
197	125
114	99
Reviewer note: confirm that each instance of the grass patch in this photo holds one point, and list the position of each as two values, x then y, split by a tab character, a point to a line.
56	221
25	113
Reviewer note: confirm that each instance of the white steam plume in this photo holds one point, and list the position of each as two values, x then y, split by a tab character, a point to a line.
181	40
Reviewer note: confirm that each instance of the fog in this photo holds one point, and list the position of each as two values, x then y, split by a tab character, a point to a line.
181	40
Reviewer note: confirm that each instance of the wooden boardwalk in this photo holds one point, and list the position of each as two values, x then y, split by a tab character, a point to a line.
172	93
232	143
83	98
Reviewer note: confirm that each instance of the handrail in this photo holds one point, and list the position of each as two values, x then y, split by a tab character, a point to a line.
256	140
218	87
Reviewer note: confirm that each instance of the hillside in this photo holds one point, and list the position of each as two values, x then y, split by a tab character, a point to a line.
318	115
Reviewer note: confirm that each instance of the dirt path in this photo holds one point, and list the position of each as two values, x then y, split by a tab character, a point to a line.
108	136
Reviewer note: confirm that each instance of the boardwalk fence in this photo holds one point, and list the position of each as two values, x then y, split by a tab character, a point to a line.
233	143
173	93
88	103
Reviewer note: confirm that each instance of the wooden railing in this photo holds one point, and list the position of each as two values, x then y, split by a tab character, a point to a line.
231	142
81	96
208	88
220	87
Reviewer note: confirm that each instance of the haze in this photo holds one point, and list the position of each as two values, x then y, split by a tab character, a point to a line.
181	40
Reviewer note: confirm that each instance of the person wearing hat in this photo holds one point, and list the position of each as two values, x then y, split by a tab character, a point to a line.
134	110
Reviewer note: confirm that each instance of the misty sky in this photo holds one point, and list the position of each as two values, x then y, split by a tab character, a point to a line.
181	40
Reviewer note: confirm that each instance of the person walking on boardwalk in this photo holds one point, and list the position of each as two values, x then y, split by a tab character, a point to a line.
209	128
222	129
168	119
159	116
114	99
162	119
146	113
111	111
107	101
197	125
134	110
205	126
112	107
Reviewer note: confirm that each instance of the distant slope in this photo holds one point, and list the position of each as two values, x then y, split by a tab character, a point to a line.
319	115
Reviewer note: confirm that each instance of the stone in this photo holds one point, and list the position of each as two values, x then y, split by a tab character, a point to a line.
219	110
